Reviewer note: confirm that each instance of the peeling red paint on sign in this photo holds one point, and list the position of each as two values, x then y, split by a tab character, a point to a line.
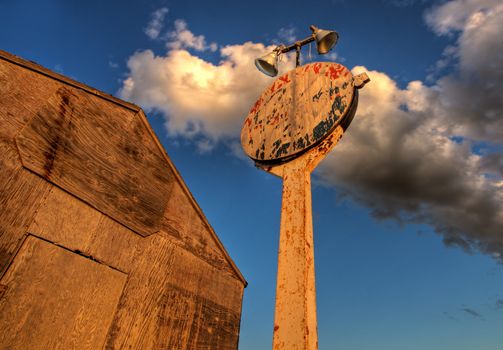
297	110
335	72
284	78
256	106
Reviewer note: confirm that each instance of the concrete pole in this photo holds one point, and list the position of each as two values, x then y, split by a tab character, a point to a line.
295	314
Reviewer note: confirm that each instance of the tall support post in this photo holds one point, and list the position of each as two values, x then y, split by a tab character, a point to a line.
295	313
295	324
294	124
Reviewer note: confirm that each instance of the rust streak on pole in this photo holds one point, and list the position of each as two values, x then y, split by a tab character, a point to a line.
295	325
295	314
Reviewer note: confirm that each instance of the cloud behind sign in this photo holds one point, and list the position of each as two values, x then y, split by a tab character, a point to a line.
195	96
423	154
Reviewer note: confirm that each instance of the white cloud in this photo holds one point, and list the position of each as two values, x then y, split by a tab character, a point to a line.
237	150
156	23
198	97
408	154
182	37
204	146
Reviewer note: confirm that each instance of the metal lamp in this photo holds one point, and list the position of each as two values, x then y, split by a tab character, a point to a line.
268	64
325	41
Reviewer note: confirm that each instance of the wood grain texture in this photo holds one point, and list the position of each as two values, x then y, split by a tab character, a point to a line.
25	89
297	111
67	221
57	299
163	318
100	154
3	289
170	308
22	93
19	92
21	193
30	66
194	322
183	224
97	182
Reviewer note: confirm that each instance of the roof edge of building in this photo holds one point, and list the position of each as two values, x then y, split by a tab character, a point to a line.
51	74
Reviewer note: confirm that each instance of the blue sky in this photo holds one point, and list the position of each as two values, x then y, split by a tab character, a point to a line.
408	211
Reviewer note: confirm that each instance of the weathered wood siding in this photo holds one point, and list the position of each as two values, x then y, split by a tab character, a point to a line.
42	279
101	243
101	154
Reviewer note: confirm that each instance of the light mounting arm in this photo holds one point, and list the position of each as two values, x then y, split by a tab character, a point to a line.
325	41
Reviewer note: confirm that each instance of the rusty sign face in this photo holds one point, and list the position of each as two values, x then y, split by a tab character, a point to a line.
297	111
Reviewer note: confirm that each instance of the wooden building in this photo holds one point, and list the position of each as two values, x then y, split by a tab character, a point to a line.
101	243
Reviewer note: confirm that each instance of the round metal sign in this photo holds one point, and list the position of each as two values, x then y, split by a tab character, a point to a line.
297	111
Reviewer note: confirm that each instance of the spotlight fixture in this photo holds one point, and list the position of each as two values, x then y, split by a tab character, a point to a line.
325	41
268	64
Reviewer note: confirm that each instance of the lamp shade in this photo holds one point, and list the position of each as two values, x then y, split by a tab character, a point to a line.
325	39
268	64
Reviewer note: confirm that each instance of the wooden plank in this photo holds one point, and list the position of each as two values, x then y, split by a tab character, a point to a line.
31	66
192	201
97	152
19	92
114	244
185	227
9	157
67	221
22	93
148	314
57	299
21	193
193	322
3	289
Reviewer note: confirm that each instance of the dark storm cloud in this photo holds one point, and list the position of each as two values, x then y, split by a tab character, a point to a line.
492	164
408	156
471	101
